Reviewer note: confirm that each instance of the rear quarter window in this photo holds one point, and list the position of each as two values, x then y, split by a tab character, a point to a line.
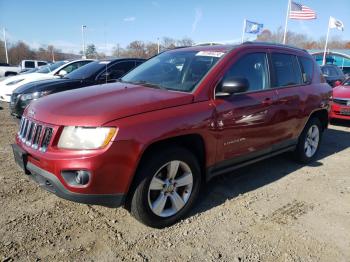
29	64
286	70
307	68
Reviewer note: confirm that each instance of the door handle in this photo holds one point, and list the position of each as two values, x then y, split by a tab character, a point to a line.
267	101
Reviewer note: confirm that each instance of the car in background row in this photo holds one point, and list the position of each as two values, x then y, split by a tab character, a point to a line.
98	72
333	74
340	105
56	70
7	70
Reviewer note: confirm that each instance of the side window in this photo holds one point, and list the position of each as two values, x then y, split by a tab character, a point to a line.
29	64
118	70
286	70
254	68
41	63
307	67
70	68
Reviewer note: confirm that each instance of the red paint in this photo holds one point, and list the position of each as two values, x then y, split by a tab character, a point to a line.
145	116
341	92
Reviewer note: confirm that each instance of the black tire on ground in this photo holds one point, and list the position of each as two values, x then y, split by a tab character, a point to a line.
140	204
300	152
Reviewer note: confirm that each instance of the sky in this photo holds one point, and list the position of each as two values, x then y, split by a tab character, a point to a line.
109	23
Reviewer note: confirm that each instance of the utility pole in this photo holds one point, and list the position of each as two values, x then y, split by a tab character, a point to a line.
7	57
83	40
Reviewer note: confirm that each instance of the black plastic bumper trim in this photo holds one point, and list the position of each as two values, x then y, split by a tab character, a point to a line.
51	183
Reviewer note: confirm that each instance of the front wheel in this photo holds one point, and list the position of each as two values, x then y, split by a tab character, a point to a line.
169	183
309	141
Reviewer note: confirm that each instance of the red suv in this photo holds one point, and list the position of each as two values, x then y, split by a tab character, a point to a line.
150	141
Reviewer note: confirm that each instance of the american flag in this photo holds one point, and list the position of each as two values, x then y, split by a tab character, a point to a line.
301	12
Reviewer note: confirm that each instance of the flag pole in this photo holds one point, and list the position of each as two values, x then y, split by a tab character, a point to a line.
286	24
244	25
325	46
5	42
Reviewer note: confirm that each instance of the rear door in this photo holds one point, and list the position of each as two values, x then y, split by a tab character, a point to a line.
287	81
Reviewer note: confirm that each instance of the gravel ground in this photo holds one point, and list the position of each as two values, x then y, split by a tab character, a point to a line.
275	210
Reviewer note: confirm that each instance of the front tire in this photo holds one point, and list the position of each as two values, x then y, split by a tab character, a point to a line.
309	141
168	185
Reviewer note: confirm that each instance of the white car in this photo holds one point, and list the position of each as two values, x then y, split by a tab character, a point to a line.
24	65
56	70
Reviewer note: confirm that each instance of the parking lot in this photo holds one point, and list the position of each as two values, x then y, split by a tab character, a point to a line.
275	210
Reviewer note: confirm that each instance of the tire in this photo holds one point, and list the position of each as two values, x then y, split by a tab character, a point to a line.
309	141
10	74
161	206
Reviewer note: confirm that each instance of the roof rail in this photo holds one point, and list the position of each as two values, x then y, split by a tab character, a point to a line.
274	44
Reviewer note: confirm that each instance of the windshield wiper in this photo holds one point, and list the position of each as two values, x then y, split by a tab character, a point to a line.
145	83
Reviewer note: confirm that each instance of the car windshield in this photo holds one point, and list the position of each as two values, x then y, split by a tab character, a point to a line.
49	68
88	71
174	70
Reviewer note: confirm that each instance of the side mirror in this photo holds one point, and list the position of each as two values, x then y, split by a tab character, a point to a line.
62	73
232	85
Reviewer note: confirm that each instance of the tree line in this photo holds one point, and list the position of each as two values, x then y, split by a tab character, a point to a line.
19	51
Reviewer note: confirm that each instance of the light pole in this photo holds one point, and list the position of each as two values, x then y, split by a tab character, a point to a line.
83	40
158	45
7	57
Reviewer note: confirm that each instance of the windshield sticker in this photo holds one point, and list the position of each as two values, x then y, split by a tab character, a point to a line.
105	62
210	53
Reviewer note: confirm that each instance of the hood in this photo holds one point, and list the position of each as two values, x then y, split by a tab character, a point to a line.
341	92
27	78
99	104
44	85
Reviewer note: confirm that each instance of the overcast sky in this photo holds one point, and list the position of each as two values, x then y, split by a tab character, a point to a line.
110	22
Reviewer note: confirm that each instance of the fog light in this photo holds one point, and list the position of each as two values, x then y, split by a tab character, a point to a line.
82	177
76	177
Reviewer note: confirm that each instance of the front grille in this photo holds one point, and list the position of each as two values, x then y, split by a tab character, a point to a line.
34	134
341	101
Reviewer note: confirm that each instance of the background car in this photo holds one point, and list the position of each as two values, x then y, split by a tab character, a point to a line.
98	72
8	70
56	70
340	106
332	74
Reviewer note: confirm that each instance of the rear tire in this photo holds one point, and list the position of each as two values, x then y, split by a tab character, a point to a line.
168	183
309	141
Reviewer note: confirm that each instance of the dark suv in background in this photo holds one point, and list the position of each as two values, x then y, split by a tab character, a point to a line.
97	72
333	74
151	140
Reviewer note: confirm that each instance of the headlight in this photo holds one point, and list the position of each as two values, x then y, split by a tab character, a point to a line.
74	137
14	82
32	96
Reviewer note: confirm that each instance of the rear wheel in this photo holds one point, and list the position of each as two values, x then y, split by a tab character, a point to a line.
309	141
169	184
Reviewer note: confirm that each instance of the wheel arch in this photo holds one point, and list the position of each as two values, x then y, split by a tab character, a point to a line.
192	142
322	115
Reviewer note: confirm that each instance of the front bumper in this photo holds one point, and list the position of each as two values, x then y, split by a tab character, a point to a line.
339	112
51	183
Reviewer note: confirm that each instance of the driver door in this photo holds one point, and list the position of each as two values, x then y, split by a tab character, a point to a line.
246	121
